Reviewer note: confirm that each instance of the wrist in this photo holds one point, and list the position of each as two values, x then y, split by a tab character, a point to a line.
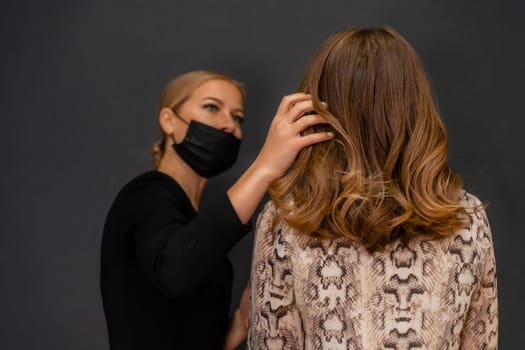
263	173
237	332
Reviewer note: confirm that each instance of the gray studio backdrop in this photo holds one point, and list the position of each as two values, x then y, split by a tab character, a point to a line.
80	81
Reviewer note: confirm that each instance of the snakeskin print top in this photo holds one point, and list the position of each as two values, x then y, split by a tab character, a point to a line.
309	293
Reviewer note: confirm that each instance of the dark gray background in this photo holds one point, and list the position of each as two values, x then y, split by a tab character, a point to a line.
80	81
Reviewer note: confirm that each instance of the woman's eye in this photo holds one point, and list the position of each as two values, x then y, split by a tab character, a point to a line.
238	119
211	107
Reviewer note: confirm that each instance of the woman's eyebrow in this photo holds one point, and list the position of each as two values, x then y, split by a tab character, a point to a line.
214	99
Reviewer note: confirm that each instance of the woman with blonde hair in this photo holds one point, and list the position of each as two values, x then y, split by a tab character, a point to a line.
165	277
370	242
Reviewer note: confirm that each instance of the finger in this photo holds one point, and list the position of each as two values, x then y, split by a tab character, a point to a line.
246	293
299	109
309	120
314	138
290	100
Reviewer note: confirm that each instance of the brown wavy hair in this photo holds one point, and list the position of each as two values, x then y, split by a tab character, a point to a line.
177	91
385	175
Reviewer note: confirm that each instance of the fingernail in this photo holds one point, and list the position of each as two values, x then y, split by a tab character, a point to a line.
324	103
330	134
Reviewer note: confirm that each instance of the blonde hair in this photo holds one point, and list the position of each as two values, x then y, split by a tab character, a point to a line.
177	91
385	175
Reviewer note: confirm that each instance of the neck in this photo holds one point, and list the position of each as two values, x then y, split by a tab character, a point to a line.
192	183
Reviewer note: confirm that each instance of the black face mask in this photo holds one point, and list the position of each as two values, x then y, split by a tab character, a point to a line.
207	150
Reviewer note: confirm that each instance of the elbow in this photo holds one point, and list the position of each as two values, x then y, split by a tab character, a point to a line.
176	280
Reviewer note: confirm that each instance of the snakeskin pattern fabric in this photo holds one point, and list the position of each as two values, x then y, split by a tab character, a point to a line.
310	293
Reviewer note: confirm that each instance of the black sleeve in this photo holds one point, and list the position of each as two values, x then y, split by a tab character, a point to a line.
177	255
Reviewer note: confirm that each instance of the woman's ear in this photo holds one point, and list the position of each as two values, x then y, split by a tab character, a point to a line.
166	121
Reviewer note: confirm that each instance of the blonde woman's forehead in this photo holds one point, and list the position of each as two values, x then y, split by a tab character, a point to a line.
220	89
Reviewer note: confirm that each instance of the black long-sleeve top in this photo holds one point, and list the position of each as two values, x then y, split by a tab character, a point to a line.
165	277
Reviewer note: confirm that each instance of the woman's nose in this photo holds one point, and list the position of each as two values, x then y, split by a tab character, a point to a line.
227	123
